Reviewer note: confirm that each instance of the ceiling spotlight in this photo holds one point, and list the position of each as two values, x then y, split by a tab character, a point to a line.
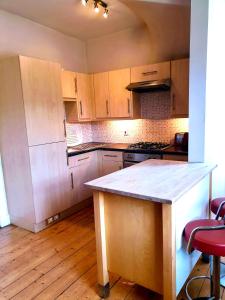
96	8
106	13
84	2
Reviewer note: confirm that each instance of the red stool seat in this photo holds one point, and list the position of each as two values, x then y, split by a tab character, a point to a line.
209	242
215	204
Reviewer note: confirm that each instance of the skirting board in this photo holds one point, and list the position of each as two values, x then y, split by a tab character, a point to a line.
66	213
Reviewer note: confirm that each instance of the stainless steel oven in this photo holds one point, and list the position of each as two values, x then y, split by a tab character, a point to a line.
130	159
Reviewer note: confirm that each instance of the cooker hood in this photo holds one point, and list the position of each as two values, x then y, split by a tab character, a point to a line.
149	86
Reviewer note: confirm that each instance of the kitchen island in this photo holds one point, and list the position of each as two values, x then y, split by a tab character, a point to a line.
140	214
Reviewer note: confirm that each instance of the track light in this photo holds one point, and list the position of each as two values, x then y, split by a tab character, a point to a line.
106	13
96	8
97	5
84	2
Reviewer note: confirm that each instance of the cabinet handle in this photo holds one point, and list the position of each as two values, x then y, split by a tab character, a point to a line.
81	109
149	73
128	104
64	127
107	107
72	184
108	155
67	158
173	102
75	85
83	158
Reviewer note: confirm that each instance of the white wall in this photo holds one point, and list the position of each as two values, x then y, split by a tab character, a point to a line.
207	104
22	36
123	49
215	99
4	215
197	80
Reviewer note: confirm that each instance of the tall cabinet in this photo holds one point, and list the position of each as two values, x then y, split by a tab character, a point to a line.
32	141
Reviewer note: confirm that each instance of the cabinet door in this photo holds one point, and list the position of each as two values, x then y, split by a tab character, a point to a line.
50	179
69	85
101	95
86	169
110	166
84	96
180	87
175	157
41	82
150	72
120	97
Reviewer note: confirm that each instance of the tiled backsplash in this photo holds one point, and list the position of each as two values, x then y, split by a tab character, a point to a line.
155	125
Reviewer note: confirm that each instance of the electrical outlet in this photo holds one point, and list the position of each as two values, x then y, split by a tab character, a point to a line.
50	220
56	217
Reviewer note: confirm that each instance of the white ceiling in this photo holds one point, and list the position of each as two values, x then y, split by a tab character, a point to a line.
72	18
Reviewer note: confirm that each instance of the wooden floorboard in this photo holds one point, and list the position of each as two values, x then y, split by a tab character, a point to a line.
60	263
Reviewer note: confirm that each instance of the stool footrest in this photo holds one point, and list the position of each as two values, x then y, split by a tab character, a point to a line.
190	281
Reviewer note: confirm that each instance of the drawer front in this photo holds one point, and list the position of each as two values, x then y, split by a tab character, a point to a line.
80	159
151	72
175	157
112	155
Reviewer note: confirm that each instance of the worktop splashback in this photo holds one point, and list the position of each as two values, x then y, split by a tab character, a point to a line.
155	125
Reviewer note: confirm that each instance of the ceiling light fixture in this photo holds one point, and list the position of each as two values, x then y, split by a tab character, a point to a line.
96	8
84	2
97	5
106	13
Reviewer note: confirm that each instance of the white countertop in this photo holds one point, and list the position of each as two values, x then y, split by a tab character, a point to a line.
154	180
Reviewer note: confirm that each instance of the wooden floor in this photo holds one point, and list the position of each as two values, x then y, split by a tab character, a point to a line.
60	263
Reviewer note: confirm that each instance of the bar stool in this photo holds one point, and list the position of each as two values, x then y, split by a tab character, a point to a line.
218	207
207	236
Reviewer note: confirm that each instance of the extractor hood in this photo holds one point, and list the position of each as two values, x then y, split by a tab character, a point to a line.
149	86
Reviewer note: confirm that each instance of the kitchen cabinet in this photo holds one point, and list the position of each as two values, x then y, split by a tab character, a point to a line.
175	157
42	97
111	161
69	85
120	97
83	168
101	95
85	96
50	180
112	99
32	138
180	87
151	72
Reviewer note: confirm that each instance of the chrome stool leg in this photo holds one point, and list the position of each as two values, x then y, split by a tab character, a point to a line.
214	281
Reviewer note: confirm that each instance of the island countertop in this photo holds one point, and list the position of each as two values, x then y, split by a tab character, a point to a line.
154	180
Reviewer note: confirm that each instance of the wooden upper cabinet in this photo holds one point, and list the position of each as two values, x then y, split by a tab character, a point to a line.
101	95
84	96
120	98
69	85
151	72
42	95
180	87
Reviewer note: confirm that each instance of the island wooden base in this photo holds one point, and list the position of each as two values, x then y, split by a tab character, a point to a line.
130	234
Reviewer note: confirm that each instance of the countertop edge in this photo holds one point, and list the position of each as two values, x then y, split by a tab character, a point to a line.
152	198
105	148
137	196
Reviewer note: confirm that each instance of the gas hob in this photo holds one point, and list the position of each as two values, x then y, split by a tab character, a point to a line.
150	146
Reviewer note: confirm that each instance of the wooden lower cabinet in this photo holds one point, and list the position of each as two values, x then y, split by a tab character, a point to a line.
50	180
83	168
175	157
110	161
